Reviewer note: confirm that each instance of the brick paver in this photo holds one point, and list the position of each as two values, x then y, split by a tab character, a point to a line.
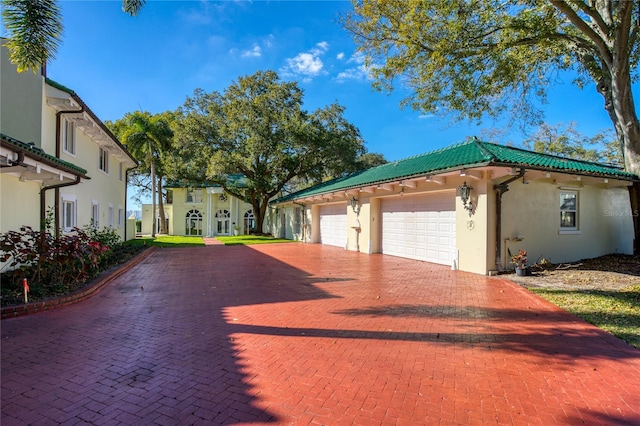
311	334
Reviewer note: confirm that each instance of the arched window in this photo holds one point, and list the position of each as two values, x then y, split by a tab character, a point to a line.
222	222
249	222
194	223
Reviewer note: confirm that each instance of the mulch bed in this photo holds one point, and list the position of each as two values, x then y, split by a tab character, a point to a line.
611	272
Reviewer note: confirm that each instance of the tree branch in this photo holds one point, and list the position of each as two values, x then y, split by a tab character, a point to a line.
586	29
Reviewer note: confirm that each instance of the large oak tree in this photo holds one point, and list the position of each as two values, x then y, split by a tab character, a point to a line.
258	128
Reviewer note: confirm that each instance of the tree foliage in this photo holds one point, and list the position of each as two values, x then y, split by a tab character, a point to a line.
258	128
149	138
566	141
35	30
498	57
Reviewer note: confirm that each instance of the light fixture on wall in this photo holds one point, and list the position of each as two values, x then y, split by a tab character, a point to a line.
465	196
354	204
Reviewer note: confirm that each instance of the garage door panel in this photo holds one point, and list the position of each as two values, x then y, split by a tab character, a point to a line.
420	227
333	225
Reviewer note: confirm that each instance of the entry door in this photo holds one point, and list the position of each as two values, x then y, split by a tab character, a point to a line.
222	222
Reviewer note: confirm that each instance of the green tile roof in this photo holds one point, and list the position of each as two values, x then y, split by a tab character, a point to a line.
469	154
37	153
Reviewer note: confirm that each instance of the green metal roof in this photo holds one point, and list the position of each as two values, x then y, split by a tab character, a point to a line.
38	153
469	154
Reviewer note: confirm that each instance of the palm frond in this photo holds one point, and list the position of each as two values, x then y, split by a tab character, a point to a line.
35	28
132	7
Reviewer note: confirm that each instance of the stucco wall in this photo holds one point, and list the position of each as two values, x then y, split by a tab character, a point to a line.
20	116
20	203
472	230
531	212
105	189
211	203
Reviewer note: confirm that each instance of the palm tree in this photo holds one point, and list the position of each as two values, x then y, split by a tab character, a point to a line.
35	28
148	137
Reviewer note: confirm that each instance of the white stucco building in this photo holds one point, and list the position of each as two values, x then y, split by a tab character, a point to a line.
56	155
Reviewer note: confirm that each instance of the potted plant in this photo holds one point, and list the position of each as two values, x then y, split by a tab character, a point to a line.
236	229
520	260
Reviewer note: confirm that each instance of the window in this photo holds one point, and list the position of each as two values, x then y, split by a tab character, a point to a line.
568	211
103	162
95	214
194	195
110	216
120	172
69	137
120	217
249	221
222	222
68	214
194	223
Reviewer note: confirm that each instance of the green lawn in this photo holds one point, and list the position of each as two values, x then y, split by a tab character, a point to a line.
250	239
168	241
617	312
180	241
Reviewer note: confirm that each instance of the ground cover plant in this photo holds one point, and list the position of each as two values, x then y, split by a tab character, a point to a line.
250	239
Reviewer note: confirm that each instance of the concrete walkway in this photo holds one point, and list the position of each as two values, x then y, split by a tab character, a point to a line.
310	334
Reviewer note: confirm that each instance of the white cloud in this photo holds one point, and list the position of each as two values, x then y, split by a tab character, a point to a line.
359	71
306	64
254	52
340	56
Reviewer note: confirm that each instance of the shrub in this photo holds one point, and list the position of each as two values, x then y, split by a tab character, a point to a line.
50	265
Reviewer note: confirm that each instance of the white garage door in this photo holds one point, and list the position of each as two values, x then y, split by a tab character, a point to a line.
420	227
333	225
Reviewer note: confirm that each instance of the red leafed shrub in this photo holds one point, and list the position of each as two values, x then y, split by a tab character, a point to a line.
51	266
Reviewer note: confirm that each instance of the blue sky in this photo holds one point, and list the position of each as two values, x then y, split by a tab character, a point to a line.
118	64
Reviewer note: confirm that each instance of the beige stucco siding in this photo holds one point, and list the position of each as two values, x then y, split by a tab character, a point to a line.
104	188
20	203
472	232
20	103
177	211
531	213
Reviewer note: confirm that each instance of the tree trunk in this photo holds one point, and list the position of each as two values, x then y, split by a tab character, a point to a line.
259	211
163	220
623	114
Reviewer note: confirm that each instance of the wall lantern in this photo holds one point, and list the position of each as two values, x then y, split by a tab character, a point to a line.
465	196
354	204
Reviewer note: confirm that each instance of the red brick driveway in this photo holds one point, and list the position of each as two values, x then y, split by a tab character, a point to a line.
311	334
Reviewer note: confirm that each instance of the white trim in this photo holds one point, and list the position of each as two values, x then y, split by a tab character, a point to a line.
569	232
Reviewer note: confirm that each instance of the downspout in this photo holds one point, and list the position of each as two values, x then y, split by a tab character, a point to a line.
126	197
43	212
57	187
500	189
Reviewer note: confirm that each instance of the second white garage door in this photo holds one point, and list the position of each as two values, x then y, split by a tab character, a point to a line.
333	225
420	227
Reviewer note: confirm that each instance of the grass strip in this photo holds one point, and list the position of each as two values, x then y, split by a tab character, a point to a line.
617	312
168	241
244	240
